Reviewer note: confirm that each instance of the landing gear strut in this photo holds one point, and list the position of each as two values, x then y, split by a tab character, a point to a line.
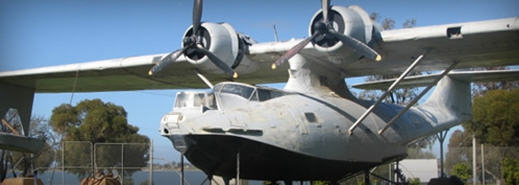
400	178
366	178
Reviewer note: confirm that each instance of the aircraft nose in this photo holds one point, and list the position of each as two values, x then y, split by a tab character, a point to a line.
180	142
170	121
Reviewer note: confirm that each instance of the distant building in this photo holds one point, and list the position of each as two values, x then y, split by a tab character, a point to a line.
424	169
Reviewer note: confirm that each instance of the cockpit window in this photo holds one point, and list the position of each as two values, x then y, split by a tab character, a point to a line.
267	94
239	90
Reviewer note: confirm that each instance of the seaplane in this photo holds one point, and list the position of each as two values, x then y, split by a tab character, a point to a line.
314	128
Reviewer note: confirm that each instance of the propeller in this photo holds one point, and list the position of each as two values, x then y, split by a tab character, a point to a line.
193	43
325	28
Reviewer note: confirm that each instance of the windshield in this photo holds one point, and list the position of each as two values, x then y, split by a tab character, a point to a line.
249	92
267	94
240	90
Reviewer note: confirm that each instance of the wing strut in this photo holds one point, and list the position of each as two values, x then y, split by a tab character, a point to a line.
204	79
397	81
424	91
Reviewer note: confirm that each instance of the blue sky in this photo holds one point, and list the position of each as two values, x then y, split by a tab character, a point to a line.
35	33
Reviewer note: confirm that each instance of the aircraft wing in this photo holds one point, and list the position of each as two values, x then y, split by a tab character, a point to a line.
130	73
425	80
473	44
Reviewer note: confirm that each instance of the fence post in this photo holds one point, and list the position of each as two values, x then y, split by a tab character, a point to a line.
63	162
482	164
92	153
95	157
122	164
474	172
151	162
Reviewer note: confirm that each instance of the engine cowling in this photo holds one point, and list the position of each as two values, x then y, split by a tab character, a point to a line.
224	42
352	21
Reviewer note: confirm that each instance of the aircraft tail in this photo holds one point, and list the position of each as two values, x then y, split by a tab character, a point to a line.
450	103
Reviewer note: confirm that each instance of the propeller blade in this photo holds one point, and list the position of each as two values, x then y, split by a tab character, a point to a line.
197	15
294	50
325	5
219	63
170	58
357	45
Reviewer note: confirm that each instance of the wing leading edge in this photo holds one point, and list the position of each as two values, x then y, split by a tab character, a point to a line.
122	74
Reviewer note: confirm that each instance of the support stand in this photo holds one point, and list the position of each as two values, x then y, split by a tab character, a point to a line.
182	169
441	137
366	178
208	178
238	168
226	180
399	180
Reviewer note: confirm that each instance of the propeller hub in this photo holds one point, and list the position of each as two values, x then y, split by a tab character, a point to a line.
200	39
335	22
321	27
189	41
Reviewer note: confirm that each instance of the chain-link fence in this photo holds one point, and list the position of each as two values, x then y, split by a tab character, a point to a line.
130	163
77	160
494	166
71	162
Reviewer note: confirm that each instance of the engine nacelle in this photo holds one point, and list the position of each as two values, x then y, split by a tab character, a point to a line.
224	42
352	21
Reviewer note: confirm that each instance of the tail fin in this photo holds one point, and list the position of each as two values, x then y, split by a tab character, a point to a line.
449	104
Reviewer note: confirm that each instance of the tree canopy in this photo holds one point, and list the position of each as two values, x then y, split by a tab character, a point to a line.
97	122
94	121
495	122
495	118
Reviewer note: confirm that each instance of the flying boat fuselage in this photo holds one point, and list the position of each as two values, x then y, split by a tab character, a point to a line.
276	131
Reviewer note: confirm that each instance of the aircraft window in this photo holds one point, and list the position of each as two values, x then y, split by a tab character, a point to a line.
267	94
310	117
194	99
239	90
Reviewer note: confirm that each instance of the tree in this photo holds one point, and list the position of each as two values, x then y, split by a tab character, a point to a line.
494	121
480	88
494	118
409	23
511	171
458	150
463	171
38	129
98	122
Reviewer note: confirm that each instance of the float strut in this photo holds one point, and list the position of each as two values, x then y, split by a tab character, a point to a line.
238	168
408	106
387	92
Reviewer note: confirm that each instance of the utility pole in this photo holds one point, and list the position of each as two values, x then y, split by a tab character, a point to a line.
482	164
474	173
151	163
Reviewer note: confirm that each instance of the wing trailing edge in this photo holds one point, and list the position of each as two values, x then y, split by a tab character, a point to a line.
425	80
